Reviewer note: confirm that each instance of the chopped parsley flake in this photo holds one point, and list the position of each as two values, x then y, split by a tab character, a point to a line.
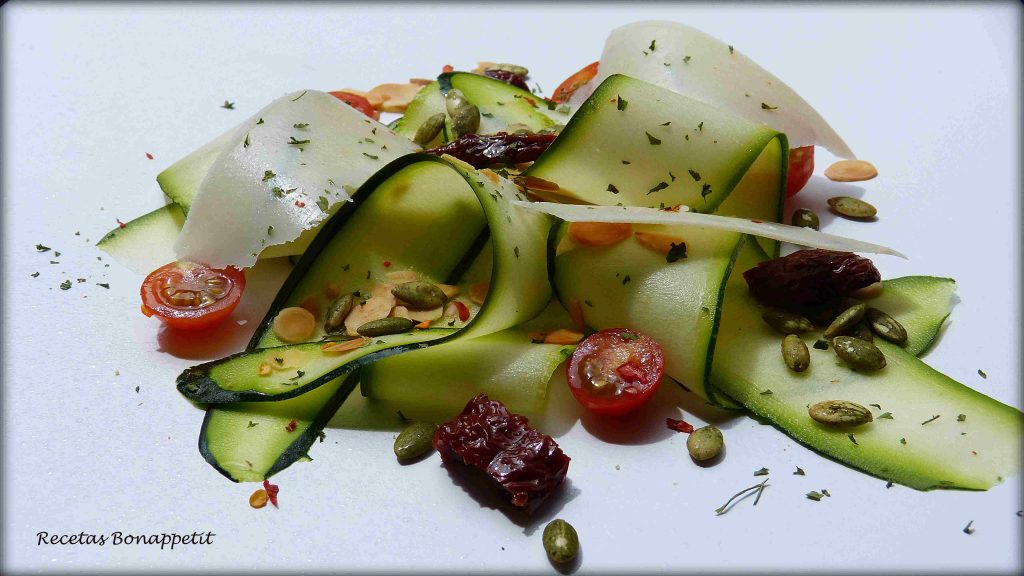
260	121
730	49
982	373
695	175
228	105
765	106
799	472
676	252
370	156
298	374
767	392
761	472
654	141
658	187
852	438
686	59
103	285
268	174
270	230
626	162
626	279
294	142
628	336
932	419
620	104
252	424
245	144
821	345
961	417
516	250
705	190
65	285
301	125
321	203
651	47
35	274
885	416
816	496
613	189
278	192
41	248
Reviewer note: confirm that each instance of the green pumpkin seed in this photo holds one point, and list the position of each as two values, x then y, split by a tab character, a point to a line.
420	294
786	322
861	332
846	320
886	326
429	130
805	219
466	120
513	68
561	542
705	443
840	413
860	355
416	440
851	207
454	100
795	353
385	326
334	321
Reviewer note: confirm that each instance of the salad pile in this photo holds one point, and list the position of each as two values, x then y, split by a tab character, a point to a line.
628	228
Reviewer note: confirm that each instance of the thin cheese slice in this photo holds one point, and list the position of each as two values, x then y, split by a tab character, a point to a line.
692	63
283	172
637	215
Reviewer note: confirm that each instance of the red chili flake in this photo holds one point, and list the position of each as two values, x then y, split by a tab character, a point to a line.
272	490
148	155
291	426
119	223
387	263
447	68
758	221
678	425
300	203
463	311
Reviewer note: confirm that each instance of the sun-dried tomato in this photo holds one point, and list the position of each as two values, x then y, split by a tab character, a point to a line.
502	148
508	78
809	278
679	425
527	464
272	490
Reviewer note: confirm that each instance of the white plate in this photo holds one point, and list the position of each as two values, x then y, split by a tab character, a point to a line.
929	95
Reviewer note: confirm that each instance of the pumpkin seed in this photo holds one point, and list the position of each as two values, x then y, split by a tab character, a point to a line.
416	440
861	332
851	171
454	100
852	207
513	68
786	322
845	321
886	326
420	294
795	353
705	443
385	326
860	355
429	130
561	542
805	219
840	413
466	120
334	321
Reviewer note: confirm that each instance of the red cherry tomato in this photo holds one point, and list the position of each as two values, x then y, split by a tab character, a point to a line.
572	83
190	296
801	166
358	102
615	371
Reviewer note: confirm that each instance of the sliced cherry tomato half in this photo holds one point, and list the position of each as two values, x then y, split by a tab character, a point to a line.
615	371
801	166
191	296
358	102
572	83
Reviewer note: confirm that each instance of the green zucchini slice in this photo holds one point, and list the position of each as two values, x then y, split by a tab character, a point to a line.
392	225
635	144
913	447
501	107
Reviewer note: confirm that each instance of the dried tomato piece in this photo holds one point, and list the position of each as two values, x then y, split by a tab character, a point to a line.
527	464
508	78
679	425
501	148
272	490
809	278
